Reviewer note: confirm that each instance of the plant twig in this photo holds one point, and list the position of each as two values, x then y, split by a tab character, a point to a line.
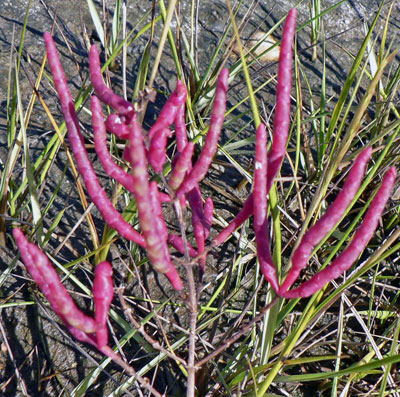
154	343
246	328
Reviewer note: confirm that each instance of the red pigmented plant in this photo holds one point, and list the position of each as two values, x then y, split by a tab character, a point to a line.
146	151
84	328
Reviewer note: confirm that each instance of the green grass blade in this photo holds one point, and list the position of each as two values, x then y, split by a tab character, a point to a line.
97	22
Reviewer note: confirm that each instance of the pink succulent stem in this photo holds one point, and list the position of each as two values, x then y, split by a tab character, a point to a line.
157	211
208	215
182	202
82	327
159	132
127	154
164	197
140	178
103	293
169	110
80	335
211	143
239	219
282	109
58	74
116	124
281	123
24	248
161	229
360	240
329	220
157	152
196	204
106	95
95	191
98	195
154	241
180	129
260	215
47	278
177	242
182	165
100	143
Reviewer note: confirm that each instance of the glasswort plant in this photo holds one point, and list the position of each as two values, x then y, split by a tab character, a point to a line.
149	149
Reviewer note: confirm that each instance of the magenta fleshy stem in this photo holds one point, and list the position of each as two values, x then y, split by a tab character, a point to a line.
260	214
211	143
100	144
329	220
281	123
59	77
170	108
360	240
196	203
162	231
208	210
78	334
155	243
180	129
117	125
95	191
239	219
157	152
106	95
282	109
183	202
59	298
198	221
140	178
47	278
182	165
98	195
127	153
103	293
164	197
81	326
23	246
177	242
159	221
